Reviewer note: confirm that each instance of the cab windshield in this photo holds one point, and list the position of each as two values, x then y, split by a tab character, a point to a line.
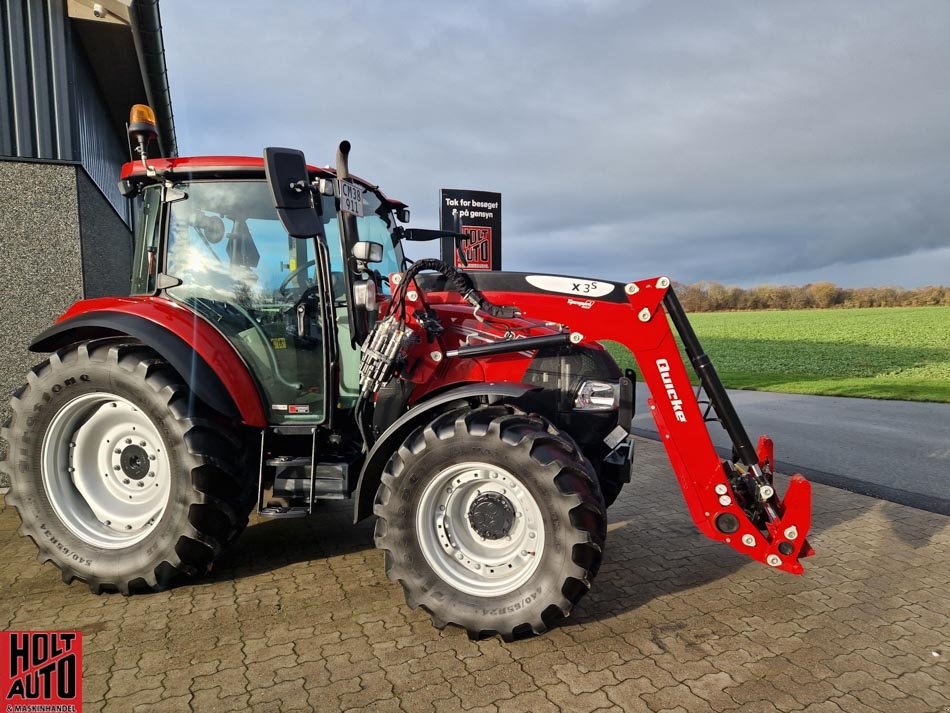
258	286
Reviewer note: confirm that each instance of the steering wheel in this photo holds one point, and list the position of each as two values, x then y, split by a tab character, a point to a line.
337	284
294	273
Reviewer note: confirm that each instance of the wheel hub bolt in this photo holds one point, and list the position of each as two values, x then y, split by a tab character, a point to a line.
151	475
118	467
129	441
748	540
125	481
141	484
118	451
143	444
128	527
531	535
151	457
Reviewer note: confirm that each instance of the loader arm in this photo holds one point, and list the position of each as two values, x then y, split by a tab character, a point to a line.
730	501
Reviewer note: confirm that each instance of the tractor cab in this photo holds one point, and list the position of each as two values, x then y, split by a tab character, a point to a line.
208	236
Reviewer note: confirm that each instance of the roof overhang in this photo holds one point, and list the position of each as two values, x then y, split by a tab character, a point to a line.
111	30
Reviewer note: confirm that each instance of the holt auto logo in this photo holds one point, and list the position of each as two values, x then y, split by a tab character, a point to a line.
41	671
477	247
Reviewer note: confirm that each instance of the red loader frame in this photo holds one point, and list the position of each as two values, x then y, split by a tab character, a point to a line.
730	501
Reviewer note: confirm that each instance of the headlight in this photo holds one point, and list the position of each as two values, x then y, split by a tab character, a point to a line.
597	396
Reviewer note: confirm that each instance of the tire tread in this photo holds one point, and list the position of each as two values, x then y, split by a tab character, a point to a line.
552	452
220	507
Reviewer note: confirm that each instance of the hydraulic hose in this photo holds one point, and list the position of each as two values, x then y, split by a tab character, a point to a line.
462	284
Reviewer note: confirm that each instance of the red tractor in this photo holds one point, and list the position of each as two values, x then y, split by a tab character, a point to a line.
278	349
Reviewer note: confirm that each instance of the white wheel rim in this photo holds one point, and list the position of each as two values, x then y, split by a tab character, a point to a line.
457	553
105	470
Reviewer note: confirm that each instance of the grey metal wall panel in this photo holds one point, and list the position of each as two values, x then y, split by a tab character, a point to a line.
63	128
6	106
18	61
34	81
40	78
101	151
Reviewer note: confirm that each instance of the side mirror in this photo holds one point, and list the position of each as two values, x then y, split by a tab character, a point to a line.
402	215
289	181
366	251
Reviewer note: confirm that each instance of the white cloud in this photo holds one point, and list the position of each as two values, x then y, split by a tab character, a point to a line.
729	141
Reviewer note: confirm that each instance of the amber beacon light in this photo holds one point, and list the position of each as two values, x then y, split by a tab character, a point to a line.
142	126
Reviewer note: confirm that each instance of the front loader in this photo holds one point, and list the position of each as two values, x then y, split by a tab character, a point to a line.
277	350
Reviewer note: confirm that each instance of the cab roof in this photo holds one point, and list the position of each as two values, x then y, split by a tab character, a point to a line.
198	167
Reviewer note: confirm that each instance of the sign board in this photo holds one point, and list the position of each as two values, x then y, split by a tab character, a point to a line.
479	214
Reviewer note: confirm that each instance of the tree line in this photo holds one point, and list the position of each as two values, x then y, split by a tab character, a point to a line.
714	297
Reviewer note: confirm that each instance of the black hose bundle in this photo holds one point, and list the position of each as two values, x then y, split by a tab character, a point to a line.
461	283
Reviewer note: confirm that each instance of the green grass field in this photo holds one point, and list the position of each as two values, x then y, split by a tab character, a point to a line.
881	353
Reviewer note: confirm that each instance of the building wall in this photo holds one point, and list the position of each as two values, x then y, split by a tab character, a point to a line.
106	242
40	261
51	106
60	241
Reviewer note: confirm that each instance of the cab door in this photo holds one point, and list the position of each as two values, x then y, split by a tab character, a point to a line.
260	287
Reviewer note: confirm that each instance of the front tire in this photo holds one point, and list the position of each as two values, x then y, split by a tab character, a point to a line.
491	519
120	477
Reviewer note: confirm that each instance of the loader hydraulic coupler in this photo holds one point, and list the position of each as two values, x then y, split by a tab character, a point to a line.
781	525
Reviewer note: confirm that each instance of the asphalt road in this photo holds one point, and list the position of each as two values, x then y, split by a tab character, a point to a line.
895	450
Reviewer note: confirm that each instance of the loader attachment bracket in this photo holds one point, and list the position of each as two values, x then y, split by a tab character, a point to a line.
731	501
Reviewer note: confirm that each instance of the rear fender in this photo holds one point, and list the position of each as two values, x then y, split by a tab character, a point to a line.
471	394
204	358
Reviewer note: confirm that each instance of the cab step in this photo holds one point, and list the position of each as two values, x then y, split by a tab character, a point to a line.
291	475
277	512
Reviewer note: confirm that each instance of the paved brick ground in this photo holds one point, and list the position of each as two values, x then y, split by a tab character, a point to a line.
301	617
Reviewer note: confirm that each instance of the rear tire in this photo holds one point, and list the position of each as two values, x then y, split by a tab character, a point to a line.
491	519
75	456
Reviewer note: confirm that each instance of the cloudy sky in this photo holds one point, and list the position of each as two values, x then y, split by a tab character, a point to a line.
744	142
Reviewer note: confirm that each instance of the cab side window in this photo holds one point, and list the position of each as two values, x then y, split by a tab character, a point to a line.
146	235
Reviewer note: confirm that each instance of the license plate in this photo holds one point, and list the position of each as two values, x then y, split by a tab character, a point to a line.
351	198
